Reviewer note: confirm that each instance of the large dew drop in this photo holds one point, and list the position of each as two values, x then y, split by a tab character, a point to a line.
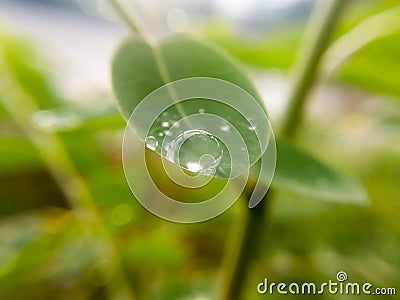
195	150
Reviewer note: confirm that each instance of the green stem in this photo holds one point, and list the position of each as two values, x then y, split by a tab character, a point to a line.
134	23
241	251
321	28
246	240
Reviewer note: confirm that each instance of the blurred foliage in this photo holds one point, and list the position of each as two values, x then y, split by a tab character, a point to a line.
278	48
45	253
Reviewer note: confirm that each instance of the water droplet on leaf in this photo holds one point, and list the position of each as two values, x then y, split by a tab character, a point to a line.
253	125
151	143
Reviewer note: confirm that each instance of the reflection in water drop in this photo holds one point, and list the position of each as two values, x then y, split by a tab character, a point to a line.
193	167
165	124
151	143
195	150
225	128
202	111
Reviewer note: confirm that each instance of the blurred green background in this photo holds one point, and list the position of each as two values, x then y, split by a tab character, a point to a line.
55	92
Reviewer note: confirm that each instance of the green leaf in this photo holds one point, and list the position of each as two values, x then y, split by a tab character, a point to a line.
136	70
376	66
30	70
299	173
139	69
371	29
136	73
277	49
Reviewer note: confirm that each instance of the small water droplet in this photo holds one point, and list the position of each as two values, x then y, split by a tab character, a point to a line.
151	143
202	111
50	121
45	119
165	124
160	134
253	125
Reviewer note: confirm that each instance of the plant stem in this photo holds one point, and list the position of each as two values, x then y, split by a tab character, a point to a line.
132	21
239	255
246	240
320	30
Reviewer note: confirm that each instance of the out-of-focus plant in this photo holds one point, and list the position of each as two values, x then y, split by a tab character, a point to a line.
66	245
